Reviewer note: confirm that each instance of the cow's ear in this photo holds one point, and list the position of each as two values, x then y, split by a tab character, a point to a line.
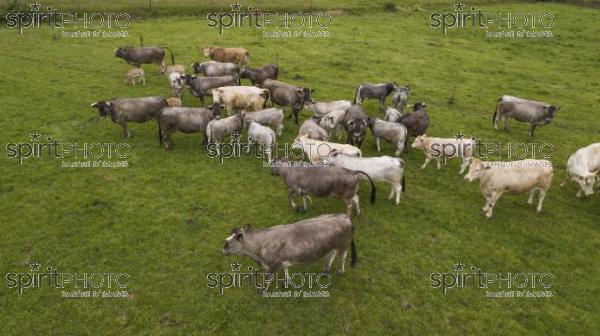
334	152
247	227
108	103
239	236
486	165
94	104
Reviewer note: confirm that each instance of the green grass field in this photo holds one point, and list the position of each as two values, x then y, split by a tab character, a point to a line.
163	219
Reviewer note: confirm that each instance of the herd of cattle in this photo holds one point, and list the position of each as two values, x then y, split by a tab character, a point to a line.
247	108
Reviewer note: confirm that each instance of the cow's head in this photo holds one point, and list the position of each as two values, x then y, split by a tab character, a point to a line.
550	111
189	80
207	51
393	86
371	121
216	109
104	108
278	165
307	92
122	52
586	183
234	244
419	107
476	169
197	67
419	142
405	88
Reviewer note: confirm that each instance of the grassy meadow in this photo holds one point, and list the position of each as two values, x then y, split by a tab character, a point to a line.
163	219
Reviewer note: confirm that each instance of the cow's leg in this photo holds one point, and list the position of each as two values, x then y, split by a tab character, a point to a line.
541	197
463	165
349	204
381	102
279	129
531	194
287	276
126	132
439	164
532	130
398	193
296	112
341	268
292	195
495	196
427	160
505	120
330	259
377	142
579	192
356	202
392	191
304	202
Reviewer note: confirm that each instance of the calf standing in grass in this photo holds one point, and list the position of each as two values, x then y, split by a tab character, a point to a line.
268	117
333	121
442	148
313	130
515	177
533	112
284	94
237	98
400	98
185	120
201	86
136	75
383	169
282	246
393	132
218	129
355	122
321	182
262	135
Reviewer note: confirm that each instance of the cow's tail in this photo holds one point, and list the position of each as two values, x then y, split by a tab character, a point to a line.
357	99
403	182
373	189
267	98
353	256
247	58
496	111
276	73
160	141
172	55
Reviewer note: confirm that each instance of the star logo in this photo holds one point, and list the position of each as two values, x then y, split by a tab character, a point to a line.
459	6
35	136
236	137
236	267
236	7
34	266
35	7
459	136
459	267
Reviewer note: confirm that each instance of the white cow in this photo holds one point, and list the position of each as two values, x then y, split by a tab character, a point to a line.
263	136
515	177
316	150
240	97
583	167
383	169
439	148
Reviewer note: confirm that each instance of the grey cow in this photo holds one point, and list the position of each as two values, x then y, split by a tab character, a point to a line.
282	246
355	122
123	110
137	56
391	131
259	75
416	122
534	112
304	181
284	94
312	128
185	120
201	86
400	98
374	91
215	69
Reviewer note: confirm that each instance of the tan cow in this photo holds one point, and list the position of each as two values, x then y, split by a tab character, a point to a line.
515	177
227	55
438	148
583	167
